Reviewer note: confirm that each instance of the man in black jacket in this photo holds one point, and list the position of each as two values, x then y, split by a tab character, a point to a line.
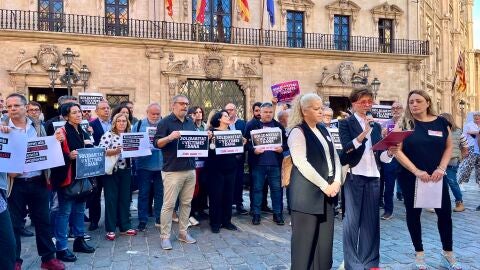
266	165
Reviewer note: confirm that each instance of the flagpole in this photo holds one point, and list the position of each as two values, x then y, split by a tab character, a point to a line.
261	21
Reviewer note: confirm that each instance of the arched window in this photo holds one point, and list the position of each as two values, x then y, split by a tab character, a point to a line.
50	15
116	17
218	20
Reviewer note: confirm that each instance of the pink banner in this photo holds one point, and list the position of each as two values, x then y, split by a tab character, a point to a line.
286	91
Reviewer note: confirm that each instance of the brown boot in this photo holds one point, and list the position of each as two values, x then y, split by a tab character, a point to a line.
459	207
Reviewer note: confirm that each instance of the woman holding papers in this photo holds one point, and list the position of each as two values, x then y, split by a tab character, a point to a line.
221	176
117	184
314	182
70	209
424	157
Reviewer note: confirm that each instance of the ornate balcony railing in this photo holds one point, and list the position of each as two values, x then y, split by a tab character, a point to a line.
97	25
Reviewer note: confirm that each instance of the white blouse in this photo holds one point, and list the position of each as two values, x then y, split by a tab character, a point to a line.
298	151
111	140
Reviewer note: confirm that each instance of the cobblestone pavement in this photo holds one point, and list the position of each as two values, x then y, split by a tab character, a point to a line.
267	246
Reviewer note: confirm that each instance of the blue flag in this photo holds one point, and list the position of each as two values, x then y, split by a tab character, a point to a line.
271	11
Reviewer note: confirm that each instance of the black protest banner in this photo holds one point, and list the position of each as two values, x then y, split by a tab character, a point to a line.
192	144
90	162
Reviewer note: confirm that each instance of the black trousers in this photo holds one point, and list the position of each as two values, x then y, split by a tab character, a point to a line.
312	239
7	239
444	214
117	200
238	188
220	188
94	202
35	195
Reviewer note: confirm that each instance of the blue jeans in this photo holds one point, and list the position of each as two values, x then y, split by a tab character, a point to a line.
145	179
452	182
67	208
389	177
272	175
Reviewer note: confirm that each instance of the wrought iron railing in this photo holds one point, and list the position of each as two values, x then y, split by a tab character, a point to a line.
96	25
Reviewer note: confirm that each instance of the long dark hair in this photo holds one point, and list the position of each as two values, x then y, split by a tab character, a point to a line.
119	108
215	121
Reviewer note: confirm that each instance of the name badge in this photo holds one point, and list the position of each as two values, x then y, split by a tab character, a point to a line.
329	139
435	133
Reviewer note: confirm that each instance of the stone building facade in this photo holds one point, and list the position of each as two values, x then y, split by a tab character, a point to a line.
135	51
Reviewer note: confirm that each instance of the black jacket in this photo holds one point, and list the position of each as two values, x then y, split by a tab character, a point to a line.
256	124
97	131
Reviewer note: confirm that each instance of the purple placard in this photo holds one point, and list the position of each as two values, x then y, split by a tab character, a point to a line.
390	128
286	91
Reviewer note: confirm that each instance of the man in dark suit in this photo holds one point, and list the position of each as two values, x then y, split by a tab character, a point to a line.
361	226
100	125
237	124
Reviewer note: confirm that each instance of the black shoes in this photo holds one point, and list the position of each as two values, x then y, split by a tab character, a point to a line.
215	229
399	196
256	219
241	210
278	218
141	226
66	255
93	226
79	245
26	233
229	227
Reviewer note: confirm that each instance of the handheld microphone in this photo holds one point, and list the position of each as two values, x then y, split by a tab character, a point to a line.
369	113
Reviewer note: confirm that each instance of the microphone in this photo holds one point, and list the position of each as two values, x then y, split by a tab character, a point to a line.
369	113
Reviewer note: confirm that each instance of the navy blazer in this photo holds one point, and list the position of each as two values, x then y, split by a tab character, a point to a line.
97	131
240	125
349	129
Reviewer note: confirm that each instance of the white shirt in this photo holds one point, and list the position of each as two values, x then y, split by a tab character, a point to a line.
368	165
31	133
298	151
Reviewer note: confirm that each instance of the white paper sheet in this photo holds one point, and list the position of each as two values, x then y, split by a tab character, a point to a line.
135	144
43	153
428	194
13	148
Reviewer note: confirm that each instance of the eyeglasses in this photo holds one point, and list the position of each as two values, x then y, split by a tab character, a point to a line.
397	108
121	121
365	102
182	103
33	110
87	111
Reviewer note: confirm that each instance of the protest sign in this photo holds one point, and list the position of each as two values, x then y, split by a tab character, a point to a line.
335	135
228	142
266	138
286	91
192	144
43	153
90	162
58	124
334	123
135	144
13	149
151	134
89	101
381	113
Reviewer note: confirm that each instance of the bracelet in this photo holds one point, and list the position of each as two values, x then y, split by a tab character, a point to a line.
442	170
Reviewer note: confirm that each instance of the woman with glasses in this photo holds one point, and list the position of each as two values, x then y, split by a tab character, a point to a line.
117	185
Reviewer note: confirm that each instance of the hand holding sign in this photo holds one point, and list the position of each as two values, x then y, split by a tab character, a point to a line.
266	139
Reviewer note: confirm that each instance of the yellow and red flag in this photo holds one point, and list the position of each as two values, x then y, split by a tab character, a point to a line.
200	15
244	10
169	7
460	82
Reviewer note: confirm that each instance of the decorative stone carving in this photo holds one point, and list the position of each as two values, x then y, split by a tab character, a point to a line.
345	71
266	60
47	55
343	7
213	64
178	67
341	78
154	53
414	66
386	11
297	5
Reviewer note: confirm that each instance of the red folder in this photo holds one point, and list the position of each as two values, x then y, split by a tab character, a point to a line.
392	139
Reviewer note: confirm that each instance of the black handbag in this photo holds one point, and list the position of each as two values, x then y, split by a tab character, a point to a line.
79	189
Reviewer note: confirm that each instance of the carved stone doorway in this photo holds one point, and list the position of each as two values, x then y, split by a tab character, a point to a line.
214	95
47	98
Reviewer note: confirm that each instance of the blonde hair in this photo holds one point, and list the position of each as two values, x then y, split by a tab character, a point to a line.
408	122
114	123
300	103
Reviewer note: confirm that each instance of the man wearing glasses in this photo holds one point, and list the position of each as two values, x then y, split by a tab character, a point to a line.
361	226
178	173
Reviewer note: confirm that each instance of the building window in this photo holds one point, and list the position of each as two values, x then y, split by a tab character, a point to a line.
295	29
218	21
114	100
341	32
116	17
385	34
50	15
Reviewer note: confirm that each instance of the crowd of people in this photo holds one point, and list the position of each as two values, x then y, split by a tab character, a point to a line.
322	180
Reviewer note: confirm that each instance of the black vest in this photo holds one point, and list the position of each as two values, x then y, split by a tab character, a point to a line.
304	195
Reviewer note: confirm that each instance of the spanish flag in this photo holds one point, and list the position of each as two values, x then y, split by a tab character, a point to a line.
169	7
244	10
200	15
459	82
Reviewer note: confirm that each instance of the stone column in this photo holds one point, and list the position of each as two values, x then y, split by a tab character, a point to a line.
265	94
155	94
